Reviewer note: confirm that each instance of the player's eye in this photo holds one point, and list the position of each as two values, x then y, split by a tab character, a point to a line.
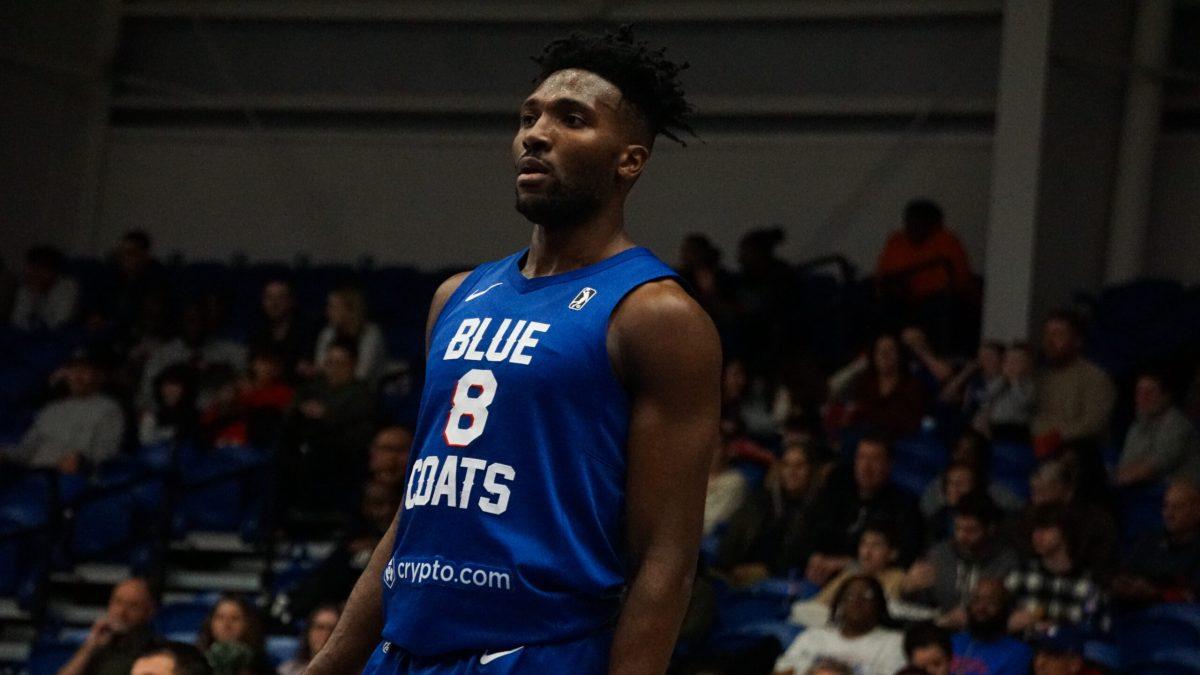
575	120
527	119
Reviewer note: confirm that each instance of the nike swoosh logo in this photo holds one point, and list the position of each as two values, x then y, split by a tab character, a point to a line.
486	658
476	294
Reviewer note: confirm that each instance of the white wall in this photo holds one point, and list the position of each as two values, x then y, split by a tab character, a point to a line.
1173	245
433	200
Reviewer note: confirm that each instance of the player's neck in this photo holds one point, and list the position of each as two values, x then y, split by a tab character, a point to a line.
554	250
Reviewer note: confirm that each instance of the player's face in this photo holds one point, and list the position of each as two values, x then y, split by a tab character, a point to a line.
569	148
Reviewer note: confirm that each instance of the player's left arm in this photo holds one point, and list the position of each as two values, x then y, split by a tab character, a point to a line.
666	351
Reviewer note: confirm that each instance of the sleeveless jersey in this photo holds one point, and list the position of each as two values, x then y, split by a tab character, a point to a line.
511	531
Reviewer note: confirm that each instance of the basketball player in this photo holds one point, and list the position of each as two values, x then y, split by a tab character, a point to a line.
554	500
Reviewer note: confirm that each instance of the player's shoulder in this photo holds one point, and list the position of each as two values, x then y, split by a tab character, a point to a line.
657	324
447	287
660	300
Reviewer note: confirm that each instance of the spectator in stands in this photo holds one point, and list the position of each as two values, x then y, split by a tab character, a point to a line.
282	330
208	358
771	534
958	480
928	364
119	636
317	629
347	316
327	432
388	459
846	509
876	558
971	450
76	433
712	285
765	291
727	490
135	277
888	398
1054	587
232	638
174	417
1008	404
171	658
1074	398
859	634
967	387
985	648
1162	443
334	577
250	412
47	298
928	648
1165	566
949	572
924	240
1060	652
1055	484
750	399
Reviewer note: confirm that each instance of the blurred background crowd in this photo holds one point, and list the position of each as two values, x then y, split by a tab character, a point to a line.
227	442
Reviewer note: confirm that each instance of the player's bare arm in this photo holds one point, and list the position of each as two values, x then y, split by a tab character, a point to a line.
357	631
666	351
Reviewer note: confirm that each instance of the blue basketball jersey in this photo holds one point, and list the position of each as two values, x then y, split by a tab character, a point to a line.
511	531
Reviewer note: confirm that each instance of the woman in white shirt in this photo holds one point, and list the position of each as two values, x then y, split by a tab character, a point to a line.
857	634
347	315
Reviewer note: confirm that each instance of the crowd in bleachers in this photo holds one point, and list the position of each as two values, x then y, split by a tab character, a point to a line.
891	491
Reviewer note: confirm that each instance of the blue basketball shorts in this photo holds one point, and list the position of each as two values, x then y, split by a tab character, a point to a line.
585	656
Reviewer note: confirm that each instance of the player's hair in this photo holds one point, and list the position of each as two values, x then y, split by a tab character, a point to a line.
926	634
645	77
188	659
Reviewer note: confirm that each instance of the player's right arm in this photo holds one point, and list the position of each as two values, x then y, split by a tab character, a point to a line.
358	630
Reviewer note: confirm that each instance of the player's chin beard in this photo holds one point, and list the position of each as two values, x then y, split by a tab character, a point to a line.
562	206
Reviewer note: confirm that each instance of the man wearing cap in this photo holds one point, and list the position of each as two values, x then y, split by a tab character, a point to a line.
78	431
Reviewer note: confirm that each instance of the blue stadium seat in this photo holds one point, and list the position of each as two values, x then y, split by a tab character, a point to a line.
1159	628
280	648
182	617
1171	661
47	657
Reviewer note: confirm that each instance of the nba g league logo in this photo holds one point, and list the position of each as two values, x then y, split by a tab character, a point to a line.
582	299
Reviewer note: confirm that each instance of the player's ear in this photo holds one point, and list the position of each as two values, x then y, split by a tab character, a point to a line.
632	162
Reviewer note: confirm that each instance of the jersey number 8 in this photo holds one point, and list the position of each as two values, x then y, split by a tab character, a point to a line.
472	396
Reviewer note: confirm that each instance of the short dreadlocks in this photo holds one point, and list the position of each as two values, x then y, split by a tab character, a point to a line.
644	76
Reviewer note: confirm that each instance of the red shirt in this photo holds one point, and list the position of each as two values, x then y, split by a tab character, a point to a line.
900	254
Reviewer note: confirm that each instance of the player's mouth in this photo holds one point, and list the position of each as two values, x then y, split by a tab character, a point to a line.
531	171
